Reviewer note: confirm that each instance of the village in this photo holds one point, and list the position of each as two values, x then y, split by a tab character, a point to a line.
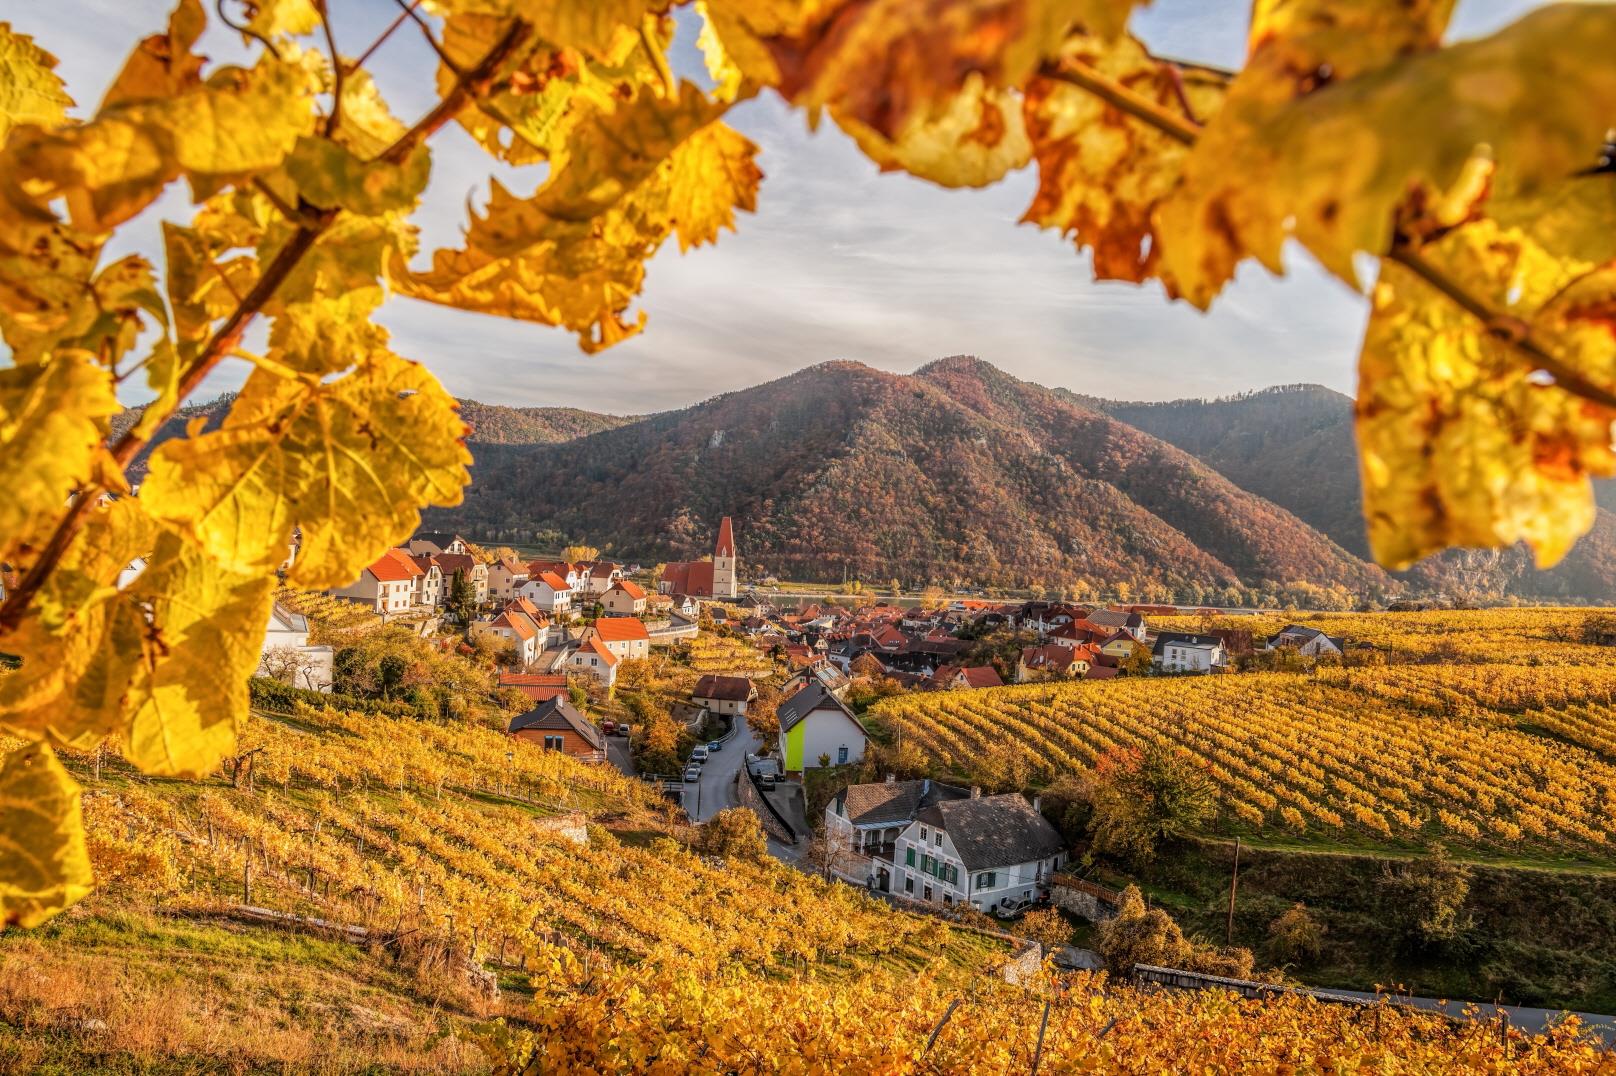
769	709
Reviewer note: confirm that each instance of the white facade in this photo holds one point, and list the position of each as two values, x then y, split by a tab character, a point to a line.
557	601
1193	657
928	867
289	630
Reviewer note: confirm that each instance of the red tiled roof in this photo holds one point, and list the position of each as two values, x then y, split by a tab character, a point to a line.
449	563
620	629
692	577
724	688
725	546
395	566
511	566
518	623
536	686
595	646
630	588
553	581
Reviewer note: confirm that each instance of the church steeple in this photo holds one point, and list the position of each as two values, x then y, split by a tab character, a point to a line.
724	581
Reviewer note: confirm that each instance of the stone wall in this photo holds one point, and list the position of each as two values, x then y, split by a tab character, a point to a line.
1082	899
572	827
1023	968
775	826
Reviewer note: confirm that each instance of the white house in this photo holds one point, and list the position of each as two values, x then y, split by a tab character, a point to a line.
863	822
528	633
475	571
286	650
387	586
623	598
813	724
1179	652
593	658
597	577
724	694
430	584
1309	642
624	636
983	850
550	593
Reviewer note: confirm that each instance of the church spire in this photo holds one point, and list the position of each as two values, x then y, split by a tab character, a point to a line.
726	540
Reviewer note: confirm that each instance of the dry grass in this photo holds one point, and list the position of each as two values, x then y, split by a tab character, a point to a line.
123	991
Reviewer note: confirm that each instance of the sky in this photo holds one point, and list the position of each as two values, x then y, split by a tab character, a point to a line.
839	262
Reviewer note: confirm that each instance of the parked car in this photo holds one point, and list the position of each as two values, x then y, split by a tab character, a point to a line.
692	773
1011	907
699	755
609	727
714	745
622	728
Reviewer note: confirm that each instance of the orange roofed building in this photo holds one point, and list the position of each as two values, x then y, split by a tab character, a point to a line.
716	578
387	586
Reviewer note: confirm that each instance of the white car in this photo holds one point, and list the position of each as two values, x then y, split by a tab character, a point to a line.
692	773
1011	907
699	755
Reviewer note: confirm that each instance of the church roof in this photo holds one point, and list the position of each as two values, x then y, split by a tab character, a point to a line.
726	540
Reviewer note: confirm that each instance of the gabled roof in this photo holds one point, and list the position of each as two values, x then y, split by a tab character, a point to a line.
282	618
723	688
629	587
887	802
594	646
559	567
558	715
1184	638
526	605
554	582
394	566
1114	618
518	623
1302	635
441	539
427	561
975	676
1049	656
621	629
511	566
692	577
990	832
536	686
450	563
813	696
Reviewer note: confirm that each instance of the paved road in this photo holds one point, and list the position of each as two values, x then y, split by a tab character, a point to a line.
716	789
1527	1019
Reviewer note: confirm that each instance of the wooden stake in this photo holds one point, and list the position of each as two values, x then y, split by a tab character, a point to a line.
1234	882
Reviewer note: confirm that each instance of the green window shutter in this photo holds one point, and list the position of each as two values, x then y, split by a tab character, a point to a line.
909	856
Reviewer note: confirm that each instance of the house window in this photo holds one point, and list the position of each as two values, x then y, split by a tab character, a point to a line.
937	837
922	834
554	743
908	883
928	892
987	881
909	856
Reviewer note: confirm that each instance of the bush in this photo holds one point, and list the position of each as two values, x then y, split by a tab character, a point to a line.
1141	798
1424	899
735	833
1140	935
1295	935
273	695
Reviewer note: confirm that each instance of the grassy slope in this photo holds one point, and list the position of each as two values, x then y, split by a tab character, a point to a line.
406	824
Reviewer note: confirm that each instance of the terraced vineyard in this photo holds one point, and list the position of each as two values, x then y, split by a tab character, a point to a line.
1397	755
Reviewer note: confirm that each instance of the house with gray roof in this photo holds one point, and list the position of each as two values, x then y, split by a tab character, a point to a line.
815	725
862	824
984	850
1309	642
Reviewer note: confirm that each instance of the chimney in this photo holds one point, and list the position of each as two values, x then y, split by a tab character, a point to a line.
892	778
976	792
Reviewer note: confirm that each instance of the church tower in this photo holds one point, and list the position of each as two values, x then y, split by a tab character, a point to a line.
724	561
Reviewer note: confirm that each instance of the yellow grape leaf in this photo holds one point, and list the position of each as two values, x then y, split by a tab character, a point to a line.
340	276
882	62
51	434
976	138
712	175
368	126
43	278
272	18
1330	168
1459	445
162	65
78	641
349	462
574	253
236	124
725	73
30	89
1101	174
203	626
598	28
330	176
44	862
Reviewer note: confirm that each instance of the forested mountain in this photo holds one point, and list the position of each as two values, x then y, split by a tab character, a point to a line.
1294	445
489	424
958	472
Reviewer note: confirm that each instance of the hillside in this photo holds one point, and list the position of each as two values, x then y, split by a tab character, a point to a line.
955	473
1294	445
490	426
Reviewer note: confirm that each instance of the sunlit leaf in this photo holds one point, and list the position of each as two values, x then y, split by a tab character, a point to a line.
349	462
30	89
44	864
975	139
